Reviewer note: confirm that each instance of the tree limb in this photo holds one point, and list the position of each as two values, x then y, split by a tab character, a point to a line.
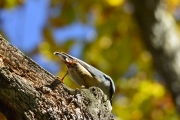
28	92
161	37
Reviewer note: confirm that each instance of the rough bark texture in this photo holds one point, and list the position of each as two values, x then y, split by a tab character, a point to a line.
28	92
161	37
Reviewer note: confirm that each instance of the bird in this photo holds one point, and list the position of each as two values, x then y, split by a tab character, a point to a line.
86	75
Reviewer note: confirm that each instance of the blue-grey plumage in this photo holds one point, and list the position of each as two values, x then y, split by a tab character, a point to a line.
86	75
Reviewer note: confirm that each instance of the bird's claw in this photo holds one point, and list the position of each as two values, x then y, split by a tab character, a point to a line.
62	79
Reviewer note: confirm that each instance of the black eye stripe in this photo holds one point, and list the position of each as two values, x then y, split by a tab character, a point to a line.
68	56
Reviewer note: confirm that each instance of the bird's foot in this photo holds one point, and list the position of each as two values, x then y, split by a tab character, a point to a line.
62	79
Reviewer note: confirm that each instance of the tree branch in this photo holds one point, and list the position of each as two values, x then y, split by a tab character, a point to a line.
161	37
29	92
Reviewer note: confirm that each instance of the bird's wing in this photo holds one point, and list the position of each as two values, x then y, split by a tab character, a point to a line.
88	67
98	75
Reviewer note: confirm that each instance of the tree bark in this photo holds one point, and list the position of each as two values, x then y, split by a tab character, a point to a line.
28	92
161	37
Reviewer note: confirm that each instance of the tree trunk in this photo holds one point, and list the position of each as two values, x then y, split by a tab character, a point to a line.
161	37
28	92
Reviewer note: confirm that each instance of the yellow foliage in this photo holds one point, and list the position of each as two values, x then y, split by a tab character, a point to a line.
152	89
115	2
12	3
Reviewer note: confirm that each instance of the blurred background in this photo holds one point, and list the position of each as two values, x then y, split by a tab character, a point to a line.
135	42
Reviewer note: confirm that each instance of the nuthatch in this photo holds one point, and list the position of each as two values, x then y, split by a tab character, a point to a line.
86	75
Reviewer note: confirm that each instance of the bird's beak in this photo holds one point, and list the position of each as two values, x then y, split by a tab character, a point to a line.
62	55
67	59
